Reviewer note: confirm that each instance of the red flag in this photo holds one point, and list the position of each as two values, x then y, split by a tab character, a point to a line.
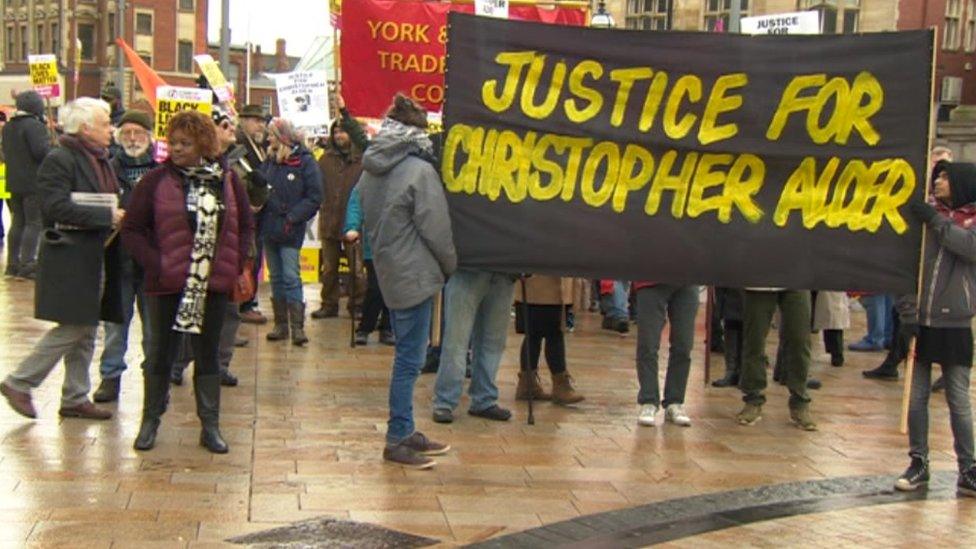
148	79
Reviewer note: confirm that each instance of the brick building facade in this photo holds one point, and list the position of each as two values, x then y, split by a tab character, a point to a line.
166	33
955	20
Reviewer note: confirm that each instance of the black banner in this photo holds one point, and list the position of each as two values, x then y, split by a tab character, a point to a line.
687	157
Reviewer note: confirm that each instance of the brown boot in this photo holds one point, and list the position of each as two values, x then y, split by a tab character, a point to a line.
280	330
563	391
528	383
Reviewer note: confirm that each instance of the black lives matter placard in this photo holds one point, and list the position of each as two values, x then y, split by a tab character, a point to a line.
687	157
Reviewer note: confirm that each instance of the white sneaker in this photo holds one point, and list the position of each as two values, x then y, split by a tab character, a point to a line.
675	413
647	413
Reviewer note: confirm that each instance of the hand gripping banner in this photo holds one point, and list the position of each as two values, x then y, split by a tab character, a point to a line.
687	157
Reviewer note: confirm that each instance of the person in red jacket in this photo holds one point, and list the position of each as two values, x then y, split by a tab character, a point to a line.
189	226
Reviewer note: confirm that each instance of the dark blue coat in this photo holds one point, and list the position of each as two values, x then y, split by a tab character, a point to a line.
295	198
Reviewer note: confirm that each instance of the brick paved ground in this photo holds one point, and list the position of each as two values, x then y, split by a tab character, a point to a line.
305	428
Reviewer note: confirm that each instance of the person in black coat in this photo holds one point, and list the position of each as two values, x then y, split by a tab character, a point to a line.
25	144
77	277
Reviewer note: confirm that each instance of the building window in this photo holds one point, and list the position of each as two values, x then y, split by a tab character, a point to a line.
718	10
23	42
951	35
186	5
10	42
852	13
144	24
828	13
55	39
146	57
649	14
184	57
39	39
266	103
970	26
86	33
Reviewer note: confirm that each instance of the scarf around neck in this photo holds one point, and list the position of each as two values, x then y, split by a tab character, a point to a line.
203	198
402	132
98	160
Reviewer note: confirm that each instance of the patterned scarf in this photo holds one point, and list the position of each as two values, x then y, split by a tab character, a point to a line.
203	198
400	131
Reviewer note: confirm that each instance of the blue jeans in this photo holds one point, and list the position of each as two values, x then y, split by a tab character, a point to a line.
412	330
880	319
477	308
285	271
615	304
960	412
117	335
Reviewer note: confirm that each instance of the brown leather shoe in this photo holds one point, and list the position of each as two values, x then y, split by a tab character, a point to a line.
253	317
85	410
19	401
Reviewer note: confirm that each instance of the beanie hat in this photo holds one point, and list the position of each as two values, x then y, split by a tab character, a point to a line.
110	92
30	102
404	110
141	118
286	132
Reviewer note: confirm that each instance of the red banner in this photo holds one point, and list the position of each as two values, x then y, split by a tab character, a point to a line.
391	46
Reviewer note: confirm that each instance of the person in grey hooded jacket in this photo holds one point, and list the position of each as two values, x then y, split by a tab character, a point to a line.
945	315
406	219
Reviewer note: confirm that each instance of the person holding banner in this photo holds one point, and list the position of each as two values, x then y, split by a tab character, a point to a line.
189	226
133	159
795	311
26	142
78	279
296	194
407	220
341	165
945	316
676	305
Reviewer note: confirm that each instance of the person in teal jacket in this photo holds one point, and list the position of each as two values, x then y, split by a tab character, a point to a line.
374	309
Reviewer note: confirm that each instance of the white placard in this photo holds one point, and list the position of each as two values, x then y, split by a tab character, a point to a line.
491	8
801	22
303	98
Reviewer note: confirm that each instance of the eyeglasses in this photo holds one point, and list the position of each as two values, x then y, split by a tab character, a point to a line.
226	125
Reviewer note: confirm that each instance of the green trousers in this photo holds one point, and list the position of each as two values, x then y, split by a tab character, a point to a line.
795	311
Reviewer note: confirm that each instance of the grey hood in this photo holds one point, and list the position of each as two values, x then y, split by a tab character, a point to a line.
386	151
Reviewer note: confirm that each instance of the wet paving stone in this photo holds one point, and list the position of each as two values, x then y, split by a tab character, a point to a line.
330	533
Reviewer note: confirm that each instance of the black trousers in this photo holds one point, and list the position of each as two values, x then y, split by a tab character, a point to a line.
165	340
373	306
545	325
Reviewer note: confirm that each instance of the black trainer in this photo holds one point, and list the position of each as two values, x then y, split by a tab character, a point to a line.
493	412
884	372
915	476
967	482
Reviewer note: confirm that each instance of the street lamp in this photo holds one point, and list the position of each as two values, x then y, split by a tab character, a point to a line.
602	18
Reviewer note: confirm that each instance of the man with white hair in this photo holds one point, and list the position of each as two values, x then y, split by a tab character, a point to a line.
77	276
132	159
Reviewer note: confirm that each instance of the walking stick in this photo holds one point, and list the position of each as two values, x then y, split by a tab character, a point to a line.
353	274
709	305
435	332
525	353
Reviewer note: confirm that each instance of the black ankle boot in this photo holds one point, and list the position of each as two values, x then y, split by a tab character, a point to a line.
154	401
207	392
733	359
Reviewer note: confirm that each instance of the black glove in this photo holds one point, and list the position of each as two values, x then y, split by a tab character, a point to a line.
923	211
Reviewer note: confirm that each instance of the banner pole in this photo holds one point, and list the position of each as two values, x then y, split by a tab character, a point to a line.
910	359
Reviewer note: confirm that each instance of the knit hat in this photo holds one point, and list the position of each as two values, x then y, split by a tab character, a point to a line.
110	92
252	111
286	132
219	115
30	102
141	118
406	111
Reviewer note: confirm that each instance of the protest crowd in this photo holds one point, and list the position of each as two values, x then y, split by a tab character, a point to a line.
181	241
